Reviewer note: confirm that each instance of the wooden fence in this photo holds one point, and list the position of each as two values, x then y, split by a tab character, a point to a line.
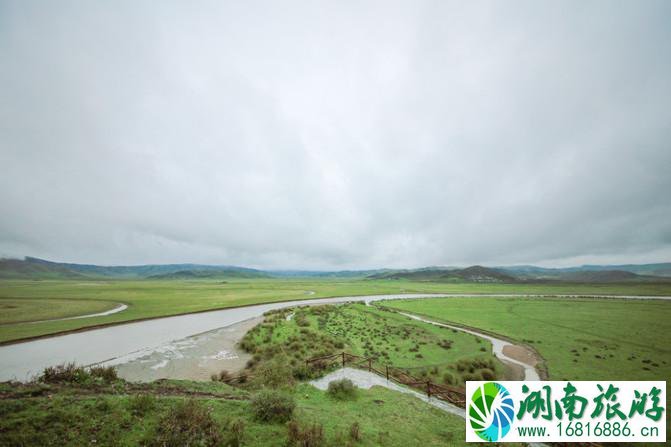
448	393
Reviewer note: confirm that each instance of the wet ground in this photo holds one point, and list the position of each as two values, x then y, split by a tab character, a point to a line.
193	358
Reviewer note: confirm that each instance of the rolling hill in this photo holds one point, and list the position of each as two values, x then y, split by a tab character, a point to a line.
475	273
35	268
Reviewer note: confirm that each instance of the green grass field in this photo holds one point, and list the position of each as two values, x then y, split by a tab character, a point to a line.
580	339
147	299
112	415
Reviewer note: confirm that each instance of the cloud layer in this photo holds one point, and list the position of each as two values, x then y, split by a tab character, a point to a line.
315	134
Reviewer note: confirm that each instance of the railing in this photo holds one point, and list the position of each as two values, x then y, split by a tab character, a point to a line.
448	393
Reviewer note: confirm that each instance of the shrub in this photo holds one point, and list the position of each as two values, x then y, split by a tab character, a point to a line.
302	321
141	404
310	436
355	432
188	423
449	378
273	406
302	372
107	373
236	432
487	374
276	373
65	373
342	389
223	376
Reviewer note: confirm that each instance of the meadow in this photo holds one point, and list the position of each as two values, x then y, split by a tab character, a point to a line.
33	300
579	338
211	413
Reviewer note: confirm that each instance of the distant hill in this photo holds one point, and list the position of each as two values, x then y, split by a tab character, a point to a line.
607	276
532	271
210	274
25	269
475	273
326	273
35	268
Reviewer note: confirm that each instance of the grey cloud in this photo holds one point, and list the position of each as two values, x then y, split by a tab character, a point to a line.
335	134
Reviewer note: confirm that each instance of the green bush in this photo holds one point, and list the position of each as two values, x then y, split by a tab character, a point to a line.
277	373
65	373
189	423
236	431
71	373
107	373
342	389
273	406
355	432
141	404
310	436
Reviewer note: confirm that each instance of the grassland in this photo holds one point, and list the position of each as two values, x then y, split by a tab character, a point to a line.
122	414
36	309
580	339
149	298
420	349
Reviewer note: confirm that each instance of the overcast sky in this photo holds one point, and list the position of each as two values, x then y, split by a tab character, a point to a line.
339	134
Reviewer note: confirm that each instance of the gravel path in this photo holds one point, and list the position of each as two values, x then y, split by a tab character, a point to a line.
367	380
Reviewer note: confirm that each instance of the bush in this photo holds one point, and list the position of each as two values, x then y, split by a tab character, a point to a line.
236	432
223	376
355	432
275	374
273	406
65	373
449	378
342	389
70	373
487	374
302	372
107	373
141	404
310	436
189	423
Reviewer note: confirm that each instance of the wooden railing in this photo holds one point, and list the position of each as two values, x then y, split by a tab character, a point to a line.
452	394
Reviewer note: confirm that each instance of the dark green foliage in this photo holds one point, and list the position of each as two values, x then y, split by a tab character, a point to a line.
141	404
189	423
310	436
355	432
273	406
71	373
107	373
342	389
275	373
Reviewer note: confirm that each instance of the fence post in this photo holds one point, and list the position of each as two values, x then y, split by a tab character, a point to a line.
343	359
428	388
386	368
369	365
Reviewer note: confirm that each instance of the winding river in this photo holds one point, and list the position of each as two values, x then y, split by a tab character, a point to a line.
139	341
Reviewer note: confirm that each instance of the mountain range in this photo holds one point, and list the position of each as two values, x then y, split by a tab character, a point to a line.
35	268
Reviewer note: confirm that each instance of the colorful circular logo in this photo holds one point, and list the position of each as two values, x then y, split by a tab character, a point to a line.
491	411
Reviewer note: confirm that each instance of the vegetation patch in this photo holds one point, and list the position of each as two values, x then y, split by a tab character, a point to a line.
342	389
273	406
280	345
